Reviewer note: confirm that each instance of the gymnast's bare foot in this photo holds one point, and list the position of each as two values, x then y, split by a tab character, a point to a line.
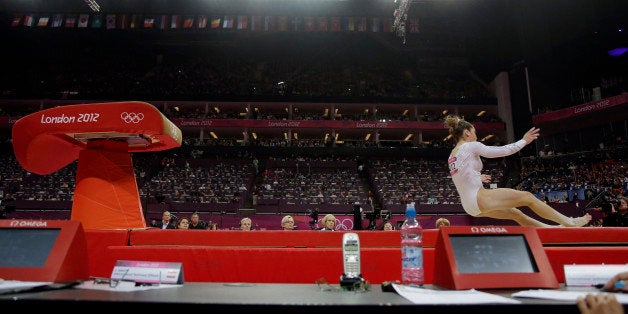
580	221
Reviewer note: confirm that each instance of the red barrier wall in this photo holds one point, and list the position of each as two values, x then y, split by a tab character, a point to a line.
305	256
268	265
270	238
99	263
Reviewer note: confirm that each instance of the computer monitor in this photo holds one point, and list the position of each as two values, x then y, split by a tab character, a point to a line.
43	250
491	257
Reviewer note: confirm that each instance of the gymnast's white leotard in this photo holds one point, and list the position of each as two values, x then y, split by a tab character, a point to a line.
465	167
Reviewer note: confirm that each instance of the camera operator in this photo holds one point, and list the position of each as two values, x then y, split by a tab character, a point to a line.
6	205
616	216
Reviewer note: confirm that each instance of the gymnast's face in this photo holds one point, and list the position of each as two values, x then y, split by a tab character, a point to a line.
470	136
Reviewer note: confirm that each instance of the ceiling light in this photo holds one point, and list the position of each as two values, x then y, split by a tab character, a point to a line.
93	5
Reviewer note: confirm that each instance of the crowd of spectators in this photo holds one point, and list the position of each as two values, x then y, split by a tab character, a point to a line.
186	180
305	182
588	179
422	181
312	181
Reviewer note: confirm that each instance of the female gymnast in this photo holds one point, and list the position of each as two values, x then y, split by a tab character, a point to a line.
465	166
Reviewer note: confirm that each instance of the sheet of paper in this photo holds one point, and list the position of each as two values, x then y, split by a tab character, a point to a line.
148	272
562	295
11	286
593	274
428	296
123	286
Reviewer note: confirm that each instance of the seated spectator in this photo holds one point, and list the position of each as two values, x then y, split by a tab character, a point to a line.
388	226
183	224
329	223
442	222
246	224
287	223
165	222
197	223
617	216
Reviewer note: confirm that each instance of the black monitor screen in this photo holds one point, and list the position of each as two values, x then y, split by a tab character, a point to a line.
492	254
26	247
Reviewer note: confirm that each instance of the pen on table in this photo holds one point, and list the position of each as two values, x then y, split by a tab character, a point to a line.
146	284
620	284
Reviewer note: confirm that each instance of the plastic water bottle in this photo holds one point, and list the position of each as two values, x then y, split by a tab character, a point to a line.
412	272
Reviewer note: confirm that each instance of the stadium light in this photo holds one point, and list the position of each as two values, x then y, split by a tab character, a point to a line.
401	15
93	5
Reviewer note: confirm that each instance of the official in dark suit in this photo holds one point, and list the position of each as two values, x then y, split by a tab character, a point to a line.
166	222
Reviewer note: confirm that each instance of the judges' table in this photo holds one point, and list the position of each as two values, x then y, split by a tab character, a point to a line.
287	298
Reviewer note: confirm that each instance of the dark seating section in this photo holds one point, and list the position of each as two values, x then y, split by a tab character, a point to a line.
189	181
296	185
219	185
422	181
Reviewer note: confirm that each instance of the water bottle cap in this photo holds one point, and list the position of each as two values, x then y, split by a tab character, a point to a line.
410	211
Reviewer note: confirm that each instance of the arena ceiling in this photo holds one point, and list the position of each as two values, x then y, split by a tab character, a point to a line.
198	6
551	31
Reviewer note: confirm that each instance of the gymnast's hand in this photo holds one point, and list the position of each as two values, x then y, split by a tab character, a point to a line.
531	135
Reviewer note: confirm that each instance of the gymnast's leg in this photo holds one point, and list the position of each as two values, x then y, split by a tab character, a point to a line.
516	215
504	198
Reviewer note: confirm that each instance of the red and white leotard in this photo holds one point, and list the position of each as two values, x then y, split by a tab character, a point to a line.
465	167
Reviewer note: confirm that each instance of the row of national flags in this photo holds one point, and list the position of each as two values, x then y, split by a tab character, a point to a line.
233	22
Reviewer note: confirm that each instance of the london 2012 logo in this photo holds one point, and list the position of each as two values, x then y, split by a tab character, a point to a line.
131	117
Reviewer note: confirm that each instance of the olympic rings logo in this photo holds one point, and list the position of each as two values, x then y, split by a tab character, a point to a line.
132	117
345	224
